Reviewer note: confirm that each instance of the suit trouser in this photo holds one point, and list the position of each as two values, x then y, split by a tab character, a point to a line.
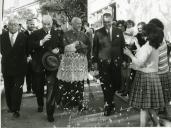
29	78
110	76
13	91
38	84
53	94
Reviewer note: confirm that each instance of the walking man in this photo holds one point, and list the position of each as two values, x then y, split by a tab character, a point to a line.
14	65
108	53
45	40
29	76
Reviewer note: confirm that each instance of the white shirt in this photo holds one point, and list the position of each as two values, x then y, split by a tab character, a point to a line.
29	32
14	37
146	59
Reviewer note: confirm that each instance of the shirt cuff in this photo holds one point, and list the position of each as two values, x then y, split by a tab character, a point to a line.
41	43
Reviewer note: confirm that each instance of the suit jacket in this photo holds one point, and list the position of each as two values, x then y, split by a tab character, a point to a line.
14	59
38	51
104	48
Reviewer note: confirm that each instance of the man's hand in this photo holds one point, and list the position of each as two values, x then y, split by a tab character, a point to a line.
46	38
76	43
71	47
29	59
55	51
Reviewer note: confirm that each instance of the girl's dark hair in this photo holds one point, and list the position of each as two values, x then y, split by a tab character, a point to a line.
157	22
122	22
154	35
141	23
130	22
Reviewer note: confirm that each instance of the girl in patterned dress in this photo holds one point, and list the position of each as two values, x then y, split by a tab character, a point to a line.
146	93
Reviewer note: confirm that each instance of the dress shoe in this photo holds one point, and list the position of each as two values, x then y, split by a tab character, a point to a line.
120	91
28	92
40	109
107	111
16	114
124	94
81	108
50	118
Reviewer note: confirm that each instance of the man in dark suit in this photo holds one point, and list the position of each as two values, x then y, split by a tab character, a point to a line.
41	41
14	65
108	53
29	76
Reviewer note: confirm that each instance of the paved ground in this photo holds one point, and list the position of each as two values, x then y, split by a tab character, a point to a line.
30	118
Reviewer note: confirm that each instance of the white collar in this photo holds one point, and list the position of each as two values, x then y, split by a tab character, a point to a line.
15	34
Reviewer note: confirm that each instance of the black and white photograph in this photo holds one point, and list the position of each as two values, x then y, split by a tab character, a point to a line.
85	63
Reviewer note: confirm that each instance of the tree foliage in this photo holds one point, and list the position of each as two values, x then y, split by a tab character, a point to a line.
25	13
71	8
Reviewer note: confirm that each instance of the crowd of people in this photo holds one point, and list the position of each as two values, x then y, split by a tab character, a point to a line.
133	64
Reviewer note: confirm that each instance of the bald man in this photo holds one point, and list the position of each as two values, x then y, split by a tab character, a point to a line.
41	41
14	65
73	69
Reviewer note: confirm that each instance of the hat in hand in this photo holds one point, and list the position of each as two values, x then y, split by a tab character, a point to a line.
50	61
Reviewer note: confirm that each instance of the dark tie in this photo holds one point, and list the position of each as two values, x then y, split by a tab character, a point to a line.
108	33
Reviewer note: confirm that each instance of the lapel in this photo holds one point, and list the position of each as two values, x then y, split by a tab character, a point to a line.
104	31
42	33
8	40
27	32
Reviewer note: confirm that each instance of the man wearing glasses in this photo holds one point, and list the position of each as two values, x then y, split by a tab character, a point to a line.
14	65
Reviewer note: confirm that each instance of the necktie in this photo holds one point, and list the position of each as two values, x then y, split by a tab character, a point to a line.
12	39
108	33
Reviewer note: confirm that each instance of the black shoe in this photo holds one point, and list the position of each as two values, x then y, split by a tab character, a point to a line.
28	92
50	119
107	111
40	109
124	94
81	108
16	114
120	91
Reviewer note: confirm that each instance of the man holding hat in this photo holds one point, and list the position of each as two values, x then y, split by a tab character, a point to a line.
46	44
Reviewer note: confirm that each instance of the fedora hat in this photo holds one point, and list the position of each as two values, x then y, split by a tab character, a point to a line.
50	61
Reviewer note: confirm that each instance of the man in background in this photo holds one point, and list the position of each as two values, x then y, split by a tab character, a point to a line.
29	76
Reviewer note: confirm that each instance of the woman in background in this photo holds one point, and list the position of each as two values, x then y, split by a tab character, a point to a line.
164	73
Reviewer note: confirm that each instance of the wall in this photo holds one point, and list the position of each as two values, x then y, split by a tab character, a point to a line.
144	10
137	10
